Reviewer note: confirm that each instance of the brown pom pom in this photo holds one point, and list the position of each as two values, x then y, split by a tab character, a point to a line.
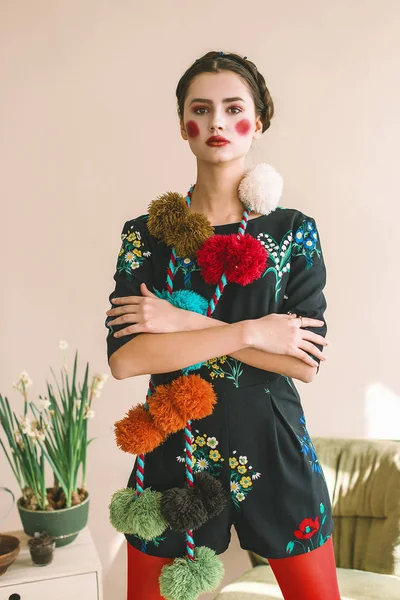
136	433
165	214
167	417
193	396
191	234
171	222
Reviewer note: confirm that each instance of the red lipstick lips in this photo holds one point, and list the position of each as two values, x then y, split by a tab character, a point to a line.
217	140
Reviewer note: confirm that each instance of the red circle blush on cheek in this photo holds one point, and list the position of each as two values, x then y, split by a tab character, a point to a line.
243	127
192	129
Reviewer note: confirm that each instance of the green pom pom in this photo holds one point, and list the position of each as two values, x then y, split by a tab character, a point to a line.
139	515
186	580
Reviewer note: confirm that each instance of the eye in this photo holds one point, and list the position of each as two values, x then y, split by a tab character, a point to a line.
235	108
200	108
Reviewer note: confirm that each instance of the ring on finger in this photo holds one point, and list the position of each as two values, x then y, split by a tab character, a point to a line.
301	321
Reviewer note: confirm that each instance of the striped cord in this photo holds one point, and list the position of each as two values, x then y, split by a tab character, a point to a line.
190	545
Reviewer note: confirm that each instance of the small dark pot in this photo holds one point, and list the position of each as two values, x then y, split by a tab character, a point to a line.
42	550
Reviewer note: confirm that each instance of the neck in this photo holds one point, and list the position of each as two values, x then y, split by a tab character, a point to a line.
216	192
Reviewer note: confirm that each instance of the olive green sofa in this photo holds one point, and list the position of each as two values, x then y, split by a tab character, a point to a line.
363	478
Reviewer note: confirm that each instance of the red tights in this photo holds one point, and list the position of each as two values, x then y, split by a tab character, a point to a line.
310	576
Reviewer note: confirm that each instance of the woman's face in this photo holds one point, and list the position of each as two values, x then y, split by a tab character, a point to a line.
219	104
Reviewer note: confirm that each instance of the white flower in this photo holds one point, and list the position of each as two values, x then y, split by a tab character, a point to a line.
256	476
26	380
129	256
180	459
89	414
26	425
234	486
212	442
202	464
63	345
45	403
139	237
147	254
135	265
243	460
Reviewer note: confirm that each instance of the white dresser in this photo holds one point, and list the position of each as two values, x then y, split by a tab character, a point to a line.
74	574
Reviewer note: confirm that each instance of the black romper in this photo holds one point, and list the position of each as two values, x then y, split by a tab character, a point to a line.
256	440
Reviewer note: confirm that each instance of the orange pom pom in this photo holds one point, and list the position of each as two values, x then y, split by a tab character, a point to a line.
167	417
193	396
136	433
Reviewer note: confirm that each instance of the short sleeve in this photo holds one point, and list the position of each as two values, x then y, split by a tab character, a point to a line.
307	278
134	266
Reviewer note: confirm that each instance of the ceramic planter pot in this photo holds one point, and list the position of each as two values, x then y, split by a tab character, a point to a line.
64	524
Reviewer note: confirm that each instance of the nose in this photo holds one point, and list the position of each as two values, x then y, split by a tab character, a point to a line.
217	122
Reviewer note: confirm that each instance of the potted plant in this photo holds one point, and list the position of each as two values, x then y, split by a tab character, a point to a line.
41	548
54	434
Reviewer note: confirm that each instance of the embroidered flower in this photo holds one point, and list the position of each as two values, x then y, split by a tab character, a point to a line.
212	442
233	463
243	460
246	482
200	441
242	469
307	528
235	487
256	476
214	455
240	496
202	464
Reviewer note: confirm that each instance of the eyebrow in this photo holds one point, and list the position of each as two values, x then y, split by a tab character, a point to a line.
206	101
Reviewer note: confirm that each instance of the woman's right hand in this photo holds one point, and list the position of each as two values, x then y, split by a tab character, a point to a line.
284	334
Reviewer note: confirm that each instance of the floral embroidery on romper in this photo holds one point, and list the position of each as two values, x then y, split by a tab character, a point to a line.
155	541
215	365
187	266
308	449
242	477
206	457
306	533
305	242
132	254
280	256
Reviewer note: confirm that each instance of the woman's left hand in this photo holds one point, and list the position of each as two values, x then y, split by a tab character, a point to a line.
146	314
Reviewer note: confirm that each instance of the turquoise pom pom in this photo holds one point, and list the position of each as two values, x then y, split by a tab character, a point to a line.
137	515
188	300
186	580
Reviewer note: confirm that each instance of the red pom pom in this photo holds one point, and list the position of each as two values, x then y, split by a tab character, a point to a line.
242	258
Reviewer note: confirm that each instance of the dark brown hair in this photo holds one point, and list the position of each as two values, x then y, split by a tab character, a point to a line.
214	62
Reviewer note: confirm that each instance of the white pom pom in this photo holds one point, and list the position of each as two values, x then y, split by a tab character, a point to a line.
261	189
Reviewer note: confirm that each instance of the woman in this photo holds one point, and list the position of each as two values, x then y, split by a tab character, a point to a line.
219	297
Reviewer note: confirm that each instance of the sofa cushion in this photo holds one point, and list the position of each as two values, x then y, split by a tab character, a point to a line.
260	584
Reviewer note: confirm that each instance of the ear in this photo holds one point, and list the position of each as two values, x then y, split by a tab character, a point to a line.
258	128
184	135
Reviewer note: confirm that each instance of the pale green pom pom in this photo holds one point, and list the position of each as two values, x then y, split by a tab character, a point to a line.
186	580
137	515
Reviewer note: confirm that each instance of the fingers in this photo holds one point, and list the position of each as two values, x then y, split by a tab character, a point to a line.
125	318
305	358
121	310
146	292
127	300
307	322
138	328
314	337
308	347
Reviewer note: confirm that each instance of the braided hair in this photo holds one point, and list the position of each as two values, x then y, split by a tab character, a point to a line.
214	62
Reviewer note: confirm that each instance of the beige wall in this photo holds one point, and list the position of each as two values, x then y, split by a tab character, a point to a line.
89	136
